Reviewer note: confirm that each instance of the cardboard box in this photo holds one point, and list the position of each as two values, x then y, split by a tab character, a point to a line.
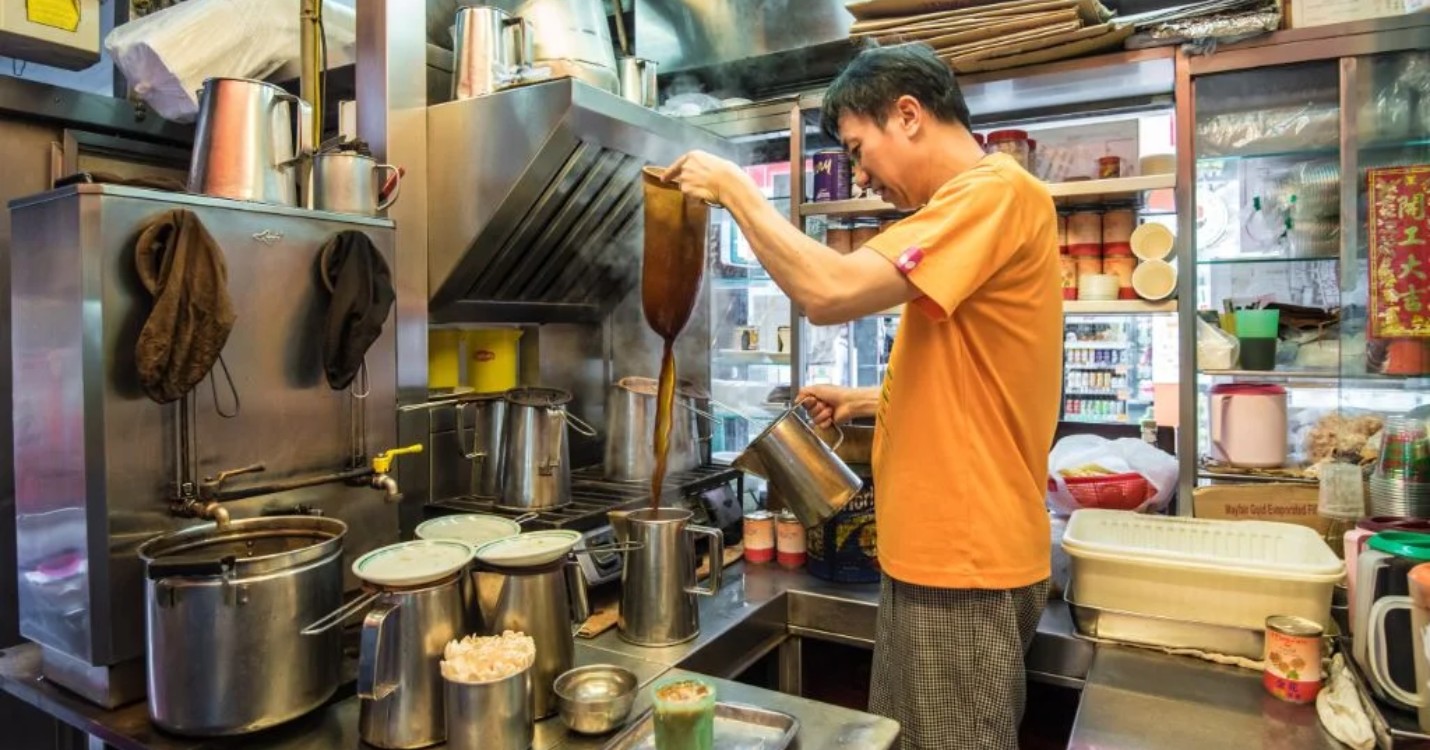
1284	502
1303	13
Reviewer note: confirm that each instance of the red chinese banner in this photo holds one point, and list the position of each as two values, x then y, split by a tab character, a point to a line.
1399	252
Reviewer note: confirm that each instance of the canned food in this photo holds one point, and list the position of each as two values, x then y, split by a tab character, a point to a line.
1292	669
748	338
790	549
759	536
1085	229
832	175
1109	167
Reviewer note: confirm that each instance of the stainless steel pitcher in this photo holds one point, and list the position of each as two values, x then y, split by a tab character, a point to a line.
399	673
244	142
347	182
638	81
658	585
537	473
808	474
490	46
485	449
547	602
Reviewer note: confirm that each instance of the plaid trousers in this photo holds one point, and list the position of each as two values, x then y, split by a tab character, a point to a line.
948	663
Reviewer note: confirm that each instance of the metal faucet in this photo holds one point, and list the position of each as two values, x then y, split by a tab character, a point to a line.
382	464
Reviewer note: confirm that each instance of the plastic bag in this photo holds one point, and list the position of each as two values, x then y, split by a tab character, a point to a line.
1124	456
1216	349
166	56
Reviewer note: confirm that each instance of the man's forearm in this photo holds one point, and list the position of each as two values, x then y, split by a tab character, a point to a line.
864	402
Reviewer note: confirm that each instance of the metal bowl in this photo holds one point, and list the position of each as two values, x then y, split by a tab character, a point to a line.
595	699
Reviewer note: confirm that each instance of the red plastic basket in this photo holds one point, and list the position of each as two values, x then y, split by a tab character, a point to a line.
1110	492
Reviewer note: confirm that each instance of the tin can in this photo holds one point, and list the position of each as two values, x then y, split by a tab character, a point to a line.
759	536
1109	167
832	175
1292	670
790	550
747	338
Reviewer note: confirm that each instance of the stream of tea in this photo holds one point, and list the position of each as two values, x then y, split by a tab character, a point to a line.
673	266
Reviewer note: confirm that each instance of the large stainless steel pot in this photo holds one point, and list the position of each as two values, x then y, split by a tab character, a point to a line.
244	142
537	475
485	449
630	430
223	612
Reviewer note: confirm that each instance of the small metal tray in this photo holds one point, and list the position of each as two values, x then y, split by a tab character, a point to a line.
737	727
1151	630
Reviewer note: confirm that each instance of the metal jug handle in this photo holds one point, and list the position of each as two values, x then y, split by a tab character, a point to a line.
303	140
520	37
578	425
383	205
576	594
717	560
468	449
329	621
838	431
705	415
369	684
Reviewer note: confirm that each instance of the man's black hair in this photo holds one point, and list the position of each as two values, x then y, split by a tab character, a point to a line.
877	77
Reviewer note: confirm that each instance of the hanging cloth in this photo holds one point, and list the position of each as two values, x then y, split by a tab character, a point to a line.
355	273
184	271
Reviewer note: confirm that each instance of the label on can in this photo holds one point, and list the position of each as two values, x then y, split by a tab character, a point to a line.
789	541
1292	670
759	536
831	175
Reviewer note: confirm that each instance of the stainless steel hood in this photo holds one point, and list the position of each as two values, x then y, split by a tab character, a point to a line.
535	196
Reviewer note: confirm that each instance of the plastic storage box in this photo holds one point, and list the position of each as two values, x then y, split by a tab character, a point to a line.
1232	573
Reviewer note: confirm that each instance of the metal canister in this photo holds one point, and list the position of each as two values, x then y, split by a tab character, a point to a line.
1292	670
747	338
790	549
831	175
759	536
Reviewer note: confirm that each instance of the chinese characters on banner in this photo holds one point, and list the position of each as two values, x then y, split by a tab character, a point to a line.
1399	252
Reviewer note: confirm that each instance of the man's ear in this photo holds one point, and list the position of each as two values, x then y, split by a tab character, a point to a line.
908	115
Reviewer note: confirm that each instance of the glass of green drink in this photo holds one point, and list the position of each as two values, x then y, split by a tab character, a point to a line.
684	714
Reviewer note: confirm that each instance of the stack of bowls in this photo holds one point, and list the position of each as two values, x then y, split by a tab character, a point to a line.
1400	485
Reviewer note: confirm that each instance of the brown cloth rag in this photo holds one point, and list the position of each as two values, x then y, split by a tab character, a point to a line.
361	284
183	268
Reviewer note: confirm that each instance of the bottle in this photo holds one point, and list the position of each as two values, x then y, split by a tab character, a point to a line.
1149	427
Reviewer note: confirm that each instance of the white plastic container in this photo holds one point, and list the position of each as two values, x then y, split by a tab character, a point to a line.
1232	573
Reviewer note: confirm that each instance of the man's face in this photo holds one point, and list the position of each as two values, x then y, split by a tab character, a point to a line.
879	156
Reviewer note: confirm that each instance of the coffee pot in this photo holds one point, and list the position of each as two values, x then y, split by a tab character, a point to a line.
244	146
658	586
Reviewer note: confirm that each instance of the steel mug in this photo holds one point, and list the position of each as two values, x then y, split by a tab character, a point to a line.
638	83
491	47
549	604
244	144
347	182
658	585
808	474
493	715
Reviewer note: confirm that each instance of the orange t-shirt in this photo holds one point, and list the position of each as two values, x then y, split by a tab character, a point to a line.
970	399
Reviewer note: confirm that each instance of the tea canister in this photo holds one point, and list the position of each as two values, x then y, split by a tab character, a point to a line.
832	176
1292	670
759	536
790	550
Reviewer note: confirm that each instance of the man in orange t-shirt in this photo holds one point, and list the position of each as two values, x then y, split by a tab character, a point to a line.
966	414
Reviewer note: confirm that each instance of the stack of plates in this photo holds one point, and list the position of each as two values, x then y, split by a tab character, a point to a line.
1392	496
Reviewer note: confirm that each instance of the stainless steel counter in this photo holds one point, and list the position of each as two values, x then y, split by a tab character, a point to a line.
1130	698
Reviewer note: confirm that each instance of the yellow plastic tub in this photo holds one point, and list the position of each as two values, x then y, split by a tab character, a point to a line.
444	358
492	359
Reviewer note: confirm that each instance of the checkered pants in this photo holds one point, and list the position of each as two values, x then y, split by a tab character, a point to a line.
948	663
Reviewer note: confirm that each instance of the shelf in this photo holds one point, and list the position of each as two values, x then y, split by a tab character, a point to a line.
1324	378
1110	419
1097	394
1087	189
1117	307
1321	152
1237	261
1255	478
752	358
1099	368
1111	345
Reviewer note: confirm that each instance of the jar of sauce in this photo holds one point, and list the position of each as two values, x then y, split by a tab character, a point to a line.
759	536
790	549
1011	142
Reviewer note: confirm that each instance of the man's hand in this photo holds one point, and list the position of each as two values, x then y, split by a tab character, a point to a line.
708	177
829	405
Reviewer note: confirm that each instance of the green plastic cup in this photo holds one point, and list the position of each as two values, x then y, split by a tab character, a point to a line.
684	714
1257	324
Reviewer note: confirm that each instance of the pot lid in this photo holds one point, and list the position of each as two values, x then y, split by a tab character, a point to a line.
531	548
474	529
1248	389
1407	544
413	563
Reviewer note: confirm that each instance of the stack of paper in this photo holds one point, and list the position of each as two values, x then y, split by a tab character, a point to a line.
974	35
